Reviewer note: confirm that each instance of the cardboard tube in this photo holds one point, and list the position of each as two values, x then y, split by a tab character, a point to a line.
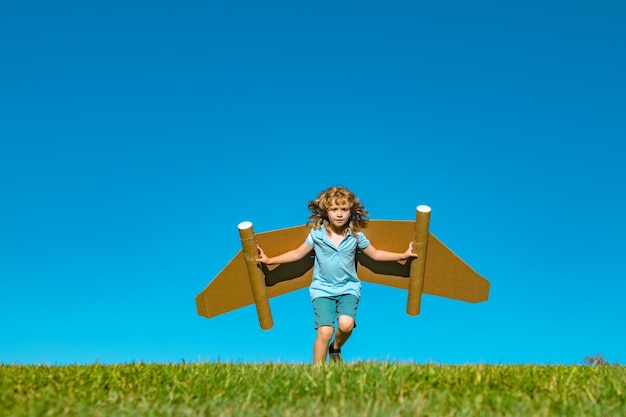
257	279
418	266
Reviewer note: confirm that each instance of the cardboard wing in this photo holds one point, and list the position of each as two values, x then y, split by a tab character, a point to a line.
445	275
231	288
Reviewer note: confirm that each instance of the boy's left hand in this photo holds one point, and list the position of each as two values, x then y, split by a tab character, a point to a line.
409	252
261	257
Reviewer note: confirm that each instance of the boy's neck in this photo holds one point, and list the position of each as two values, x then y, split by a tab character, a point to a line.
342	231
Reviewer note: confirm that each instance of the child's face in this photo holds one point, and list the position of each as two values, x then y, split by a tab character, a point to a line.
339	213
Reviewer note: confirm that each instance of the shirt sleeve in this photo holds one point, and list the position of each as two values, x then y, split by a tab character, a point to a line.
362	241
309	240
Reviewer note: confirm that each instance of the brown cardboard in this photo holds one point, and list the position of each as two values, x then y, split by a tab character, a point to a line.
230	289
255	275
445	274
418	265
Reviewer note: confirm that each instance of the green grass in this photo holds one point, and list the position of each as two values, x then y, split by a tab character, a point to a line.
349	389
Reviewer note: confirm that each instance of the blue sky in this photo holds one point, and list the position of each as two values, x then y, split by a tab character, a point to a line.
135	136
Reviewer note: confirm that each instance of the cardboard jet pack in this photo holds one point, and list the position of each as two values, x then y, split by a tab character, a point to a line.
435	271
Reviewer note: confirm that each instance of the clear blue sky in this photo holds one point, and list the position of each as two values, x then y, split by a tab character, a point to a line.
136	135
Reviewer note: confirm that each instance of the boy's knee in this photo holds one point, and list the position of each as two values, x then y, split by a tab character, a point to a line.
325	333
345	324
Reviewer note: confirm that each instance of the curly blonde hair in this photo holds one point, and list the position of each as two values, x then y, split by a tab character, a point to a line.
337	195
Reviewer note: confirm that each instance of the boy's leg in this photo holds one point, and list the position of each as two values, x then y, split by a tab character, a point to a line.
324	312
344	331
346	311
322	340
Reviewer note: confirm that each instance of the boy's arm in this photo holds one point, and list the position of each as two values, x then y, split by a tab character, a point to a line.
383	255
290	256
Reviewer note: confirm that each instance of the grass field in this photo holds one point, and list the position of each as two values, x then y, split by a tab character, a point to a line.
347	389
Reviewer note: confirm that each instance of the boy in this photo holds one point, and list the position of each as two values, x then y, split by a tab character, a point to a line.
337	217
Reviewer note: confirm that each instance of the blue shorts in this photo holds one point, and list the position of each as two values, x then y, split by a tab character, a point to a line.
327	309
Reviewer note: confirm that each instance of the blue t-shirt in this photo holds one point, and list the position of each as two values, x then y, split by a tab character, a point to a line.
334	270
